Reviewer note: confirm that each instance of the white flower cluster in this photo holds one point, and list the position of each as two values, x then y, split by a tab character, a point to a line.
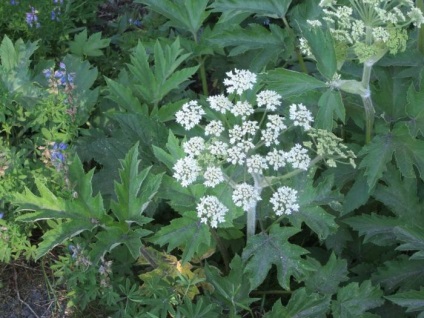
370	27
240	134
211	211
284	201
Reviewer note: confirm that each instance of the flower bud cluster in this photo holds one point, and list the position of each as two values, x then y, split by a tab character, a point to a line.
369	27
241	133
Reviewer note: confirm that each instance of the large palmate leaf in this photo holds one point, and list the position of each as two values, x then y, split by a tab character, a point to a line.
408	152
231	8
253	37
185	14
302	304
412	238
326	279
311	198
187	233
289	83
402	273
135	191
377	229
233	289
15	75
83	213
84	45
354	300
412	299
264	250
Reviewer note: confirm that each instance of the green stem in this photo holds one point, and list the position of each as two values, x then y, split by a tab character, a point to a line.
369	117
251	213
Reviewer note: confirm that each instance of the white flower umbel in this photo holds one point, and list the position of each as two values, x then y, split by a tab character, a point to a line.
218	149
298	157
284	201
276	159
239	81
220	103
242	109
186	171
269	99
245	196
211	211
256	163
194	146
214	128
301	116
189	115
213	176
236	154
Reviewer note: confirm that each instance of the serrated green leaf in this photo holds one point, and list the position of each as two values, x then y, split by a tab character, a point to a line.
305	304
354	300
186	14
135	191
357	195
231	8
263	250
377	229
310	199
331	108
115	236
82	45
401	196
233	289
253	37
402	272
289	83
412	238
123	96
326	279
412	299
61	233
321	44
415	111
187	233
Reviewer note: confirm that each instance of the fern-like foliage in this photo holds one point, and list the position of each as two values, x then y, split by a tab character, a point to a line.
86	212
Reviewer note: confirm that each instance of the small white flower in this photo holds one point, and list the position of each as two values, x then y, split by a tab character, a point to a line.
270	136
220	103
214	128
380	34
276	159
250	127
236	155
284	201
301	116
213	176
298	157
186	171
189	115
314	23
416	17
236	134
211	211
239	81
194	146
304	47
243	109
245	196
276	122
269	99
256	163
218	148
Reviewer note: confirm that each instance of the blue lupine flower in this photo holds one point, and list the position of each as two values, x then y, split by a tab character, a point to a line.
57	1
136	22
55	14
32	19
1	215
13	2
47	73
57	156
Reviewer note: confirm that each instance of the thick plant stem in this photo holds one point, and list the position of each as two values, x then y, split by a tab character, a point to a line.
202	74
251	213
367	101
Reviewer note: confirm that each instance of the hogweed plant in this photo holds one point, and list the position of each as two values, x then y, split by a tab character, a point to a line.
366	30
242	144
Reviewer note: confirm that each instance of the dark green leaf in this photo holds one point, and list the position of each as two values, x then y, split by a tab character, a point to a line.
263	250
415	111
354	300
82	45
289	83
412	299
186	233
331	108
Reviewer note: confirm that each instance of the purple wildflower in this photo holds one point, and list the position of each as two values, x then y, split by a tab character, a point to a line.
32	19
